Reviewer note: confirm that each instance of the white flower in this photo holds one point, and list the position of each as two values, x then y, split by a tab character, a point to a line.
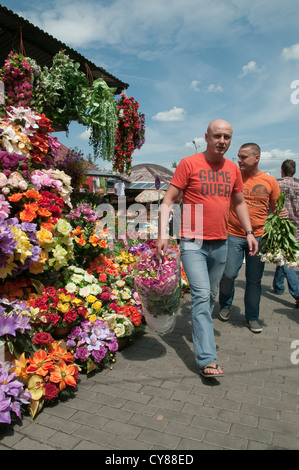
89	278
71	287
84	291
125	295
77	278
95	289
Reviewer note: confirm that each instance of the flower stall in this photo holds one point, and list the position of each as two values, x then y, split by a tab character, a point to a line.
68	300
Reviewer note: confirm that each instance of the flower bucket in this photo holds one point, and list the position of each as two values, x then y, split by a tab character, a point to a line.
158	284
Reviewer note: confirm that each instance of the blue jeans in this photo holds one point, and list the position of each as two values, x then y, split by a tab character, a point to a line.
254	270
203	263
282	272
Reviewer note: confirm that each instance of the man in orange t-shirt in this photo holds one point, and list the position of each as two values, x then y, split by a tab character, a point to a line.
261	192
209	183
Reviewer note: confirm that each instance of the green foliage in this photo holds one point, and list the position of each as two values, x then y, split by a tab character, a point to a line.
65	95
279	234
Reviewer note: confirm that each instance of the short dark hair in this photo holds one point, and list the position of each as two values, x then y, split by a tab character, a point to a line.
253	147
288	167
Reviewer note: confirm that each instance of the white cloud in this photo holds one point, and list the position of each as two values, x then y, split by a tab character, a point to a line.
198	142
277	154
195	85
291	53
174	114
215	88
251	67
85	135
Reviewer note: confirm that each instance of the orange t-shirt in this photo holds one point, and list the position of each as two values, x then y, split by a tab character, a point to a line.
208	187
260	192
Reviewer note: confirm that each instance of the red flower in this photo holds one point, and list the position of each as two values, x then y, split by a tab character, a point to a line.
42	338
70	316
51	391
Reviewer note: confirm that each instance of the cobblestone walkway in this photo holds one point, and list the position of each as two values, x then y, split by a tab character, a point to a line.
154	399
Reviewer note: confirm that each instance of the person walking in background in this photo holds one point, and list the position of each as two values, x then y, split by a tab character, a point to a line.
209	182
261	191
290	187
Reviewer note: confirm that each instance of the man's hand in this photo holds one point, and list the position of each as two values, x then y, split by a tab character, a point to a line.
252	244
284	213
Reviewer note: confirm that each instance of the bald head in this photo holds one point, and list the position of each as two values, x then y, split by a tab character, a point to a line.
220	124
218	138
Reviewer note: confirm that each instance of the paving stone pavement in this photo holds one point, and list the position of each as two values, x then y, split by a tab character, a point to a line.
154	399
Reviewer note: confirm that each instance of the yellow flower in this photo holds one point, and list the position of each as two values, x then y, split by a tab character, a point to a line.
97	305
44	236
24	245
92	318
91	299
63	307
8	268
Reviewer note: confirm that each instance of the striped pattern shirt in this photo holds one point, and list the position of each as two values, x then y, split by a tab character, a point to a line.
290	186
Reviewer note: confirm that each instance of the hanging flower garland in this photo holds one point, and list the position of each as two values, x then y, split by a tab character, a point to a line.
20	76
130	133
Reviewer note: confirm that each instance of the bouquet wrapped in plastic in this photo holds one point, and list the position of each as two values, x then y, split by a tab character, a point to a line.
158	284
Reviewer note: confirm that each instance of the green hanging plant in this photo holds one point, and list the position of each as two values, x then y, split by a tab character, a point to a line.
101	117
61	90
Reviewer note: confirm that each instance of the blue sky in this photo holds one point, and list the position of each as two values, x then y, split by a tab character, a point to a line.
187	63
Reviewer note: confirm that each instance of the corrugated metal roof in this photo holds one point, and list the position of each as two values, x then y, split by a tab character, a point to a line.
42	47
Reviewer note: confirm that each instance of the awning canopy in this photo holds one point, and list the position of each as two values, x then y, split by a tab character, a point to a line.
42	47
144	185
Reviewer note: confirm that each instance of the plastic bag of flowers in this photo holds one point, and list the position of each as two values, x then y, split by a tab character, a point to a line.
158	284
93	344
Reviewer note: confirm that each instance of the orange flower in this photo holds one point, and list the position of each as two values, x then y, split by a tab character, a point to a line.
40	364
20	366
60	354
32	193
47	225
64	375
94	240
77	230
15	197
27	216
32	206
43	212
81	240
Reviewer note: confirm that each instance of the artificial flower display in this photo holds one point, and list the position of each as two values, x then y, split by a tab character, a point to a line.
158	283
13	396
89	239
15	325
85	286
25	132
93	343
48	374
130	133
57	308
20	76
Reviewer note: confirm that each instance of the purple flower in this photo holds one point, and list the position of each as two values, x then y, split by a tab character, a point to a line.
4	408
99	354
22	322
7	326
82	354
